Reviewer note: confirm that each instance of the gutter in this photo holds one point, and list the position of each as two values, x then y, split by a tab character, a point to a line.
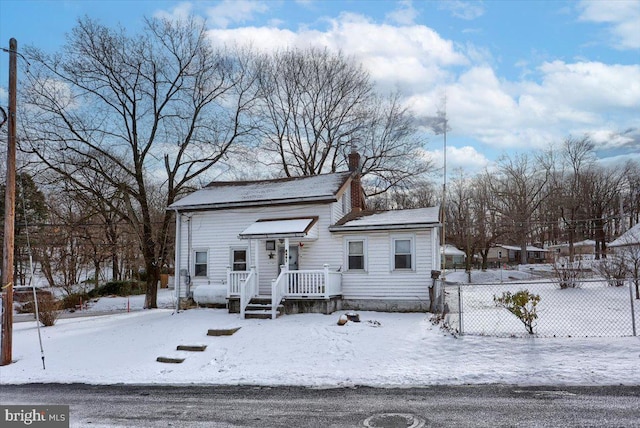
382	227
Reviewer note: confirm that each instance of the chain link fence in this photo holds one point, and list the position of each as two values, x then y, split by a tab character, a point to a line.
594	308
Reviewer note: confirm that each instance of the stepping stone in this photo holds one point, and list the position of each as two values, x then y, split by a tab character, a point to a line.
169	360
222	332
192	348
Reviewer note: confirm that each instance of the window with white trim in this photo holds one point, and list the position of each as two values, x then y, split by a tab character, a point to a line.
356	249
239	259
403	253
201	261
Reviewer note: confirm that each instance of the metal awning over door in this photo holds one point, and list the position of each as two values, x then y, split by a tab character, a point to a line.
281	228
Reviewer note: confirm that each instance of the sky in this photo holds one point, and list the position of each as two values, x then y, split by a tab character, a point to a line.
414	351
513	76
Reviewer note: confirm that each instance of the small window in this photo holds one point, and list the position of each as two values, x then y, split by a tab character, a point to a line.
201	263
402	253
356	255
239	260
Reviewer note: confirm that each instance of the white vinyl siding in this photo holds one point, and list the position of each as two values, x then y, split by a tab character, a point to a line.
381	282
218	231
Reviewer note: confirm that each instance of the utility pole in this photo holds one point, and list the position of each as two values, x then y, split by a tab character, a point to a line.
9	212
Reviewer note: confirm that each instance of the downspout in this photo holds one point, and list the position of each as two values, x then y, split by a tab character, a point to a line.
189	251
176	264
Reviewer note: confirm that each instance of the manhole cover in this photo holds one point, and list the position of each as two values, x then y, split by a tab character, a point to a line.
394	420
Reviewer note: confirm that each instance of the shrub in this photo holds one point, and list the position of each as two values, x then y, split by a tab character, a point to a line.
613	269
568	273
118	288
48	310
71	301
522	304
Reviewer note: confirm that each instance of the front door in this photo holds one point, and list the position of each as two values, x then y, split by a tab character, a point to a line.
293	257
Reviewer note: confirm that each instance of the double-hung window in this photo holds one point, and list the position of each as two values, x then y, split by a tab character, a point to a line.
402	253
201	263
356	254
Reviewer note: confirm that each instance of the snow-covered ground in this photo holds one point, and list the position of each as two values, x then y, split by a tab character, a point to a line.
593	308
384	349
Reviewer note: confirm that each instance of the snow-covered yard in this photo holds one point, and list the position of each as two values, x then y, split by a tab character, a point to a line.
384	349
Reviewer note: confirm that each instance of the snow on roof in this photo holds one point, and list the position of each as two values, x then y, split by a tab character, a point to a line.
295	227
630	237
585	243
394	219
265	192
450	250
517	248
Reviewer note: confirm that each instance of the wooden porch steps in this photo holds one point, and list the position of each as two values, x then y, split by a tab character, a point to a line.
260	308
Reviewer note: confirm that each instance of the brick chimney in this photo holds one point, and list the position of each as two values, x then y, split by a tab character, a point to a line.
357	201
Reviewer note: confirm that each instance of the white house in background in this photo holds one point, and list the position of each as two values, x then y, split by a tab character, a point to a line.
631	238
582	249
511	254
304	244
453	256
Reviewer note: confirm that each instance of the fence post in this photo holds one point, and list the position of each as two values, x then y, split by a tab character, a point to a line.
460	306
325	289
633	312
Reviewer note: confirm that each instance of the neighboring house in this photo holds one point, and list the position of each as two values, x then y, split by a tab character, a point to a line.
631	238
583	250
454	258
511	254
306	243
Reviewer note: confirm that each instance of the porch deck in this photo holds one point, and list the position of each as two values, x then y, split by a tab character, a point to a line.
312	286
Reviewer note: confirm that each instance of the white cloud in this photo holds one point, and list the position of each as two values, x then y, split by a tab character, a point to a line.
180	12
230	12
467	10
612	139
466	158
551	101
405	14
622	15
409	57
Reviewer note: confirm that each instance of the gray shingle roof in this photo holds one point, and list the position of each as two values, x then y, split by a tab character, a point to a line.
316	188
394	219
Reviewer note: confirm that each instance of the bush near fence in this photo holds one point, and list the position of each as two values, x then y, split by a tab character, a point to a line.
595	308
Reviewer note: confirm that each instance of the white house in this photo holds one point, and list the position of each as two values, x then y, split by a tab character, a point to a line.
631	238
511	254
304	244
454	257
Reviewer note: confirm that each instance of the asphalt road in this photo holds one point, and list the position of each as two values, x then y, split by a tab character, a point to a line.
436	406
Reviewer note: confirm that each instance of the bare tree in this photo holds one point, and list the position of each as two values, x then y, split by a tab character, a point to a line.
316	104
460	216
577	158
312	105
520	186
602	189
162	102
487	220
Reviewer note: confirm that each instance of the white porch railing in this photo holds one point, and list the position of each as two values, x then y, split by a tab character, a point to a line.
248	290
278	289
293	284
313	283
233	281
